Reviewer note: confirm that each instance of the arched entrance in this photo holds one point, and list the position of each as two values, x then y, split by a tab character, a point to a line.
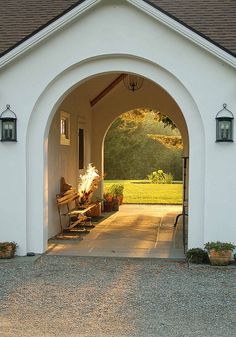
47	105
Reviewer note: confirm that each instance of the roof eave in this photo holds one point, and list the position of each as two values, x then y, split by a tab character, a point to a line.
149	8
181	28
190	28
41	28
46	30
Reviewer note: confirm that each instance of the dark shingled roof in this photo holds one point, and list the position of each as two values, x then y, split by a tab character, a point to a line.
215	20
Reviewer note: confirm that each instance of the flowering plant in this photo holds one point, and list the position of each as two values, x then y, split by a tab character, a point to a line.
89	182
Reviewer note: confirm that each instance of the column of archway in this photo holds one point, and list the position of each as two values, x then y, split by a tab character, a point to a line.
45	108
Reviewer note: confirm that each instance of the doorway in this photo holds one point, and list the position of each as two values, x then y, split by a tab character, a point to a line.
69	165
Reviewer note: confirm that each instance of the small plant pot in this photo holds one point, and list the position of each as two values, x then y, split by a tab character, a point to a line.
95	211
115	204
220	258
108	206
7	252
120	199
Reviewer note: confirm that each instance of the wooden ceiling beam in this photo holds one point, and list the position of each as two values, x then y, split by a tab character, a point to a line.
107	89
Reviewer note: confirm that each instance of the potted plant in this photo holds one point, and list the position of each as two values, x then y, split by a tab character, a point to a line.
108	202
111	203
219	253
117	191
7	250
197	255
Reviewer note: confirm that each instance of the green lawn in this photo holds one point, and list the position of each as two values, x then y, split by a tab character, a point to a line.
142	192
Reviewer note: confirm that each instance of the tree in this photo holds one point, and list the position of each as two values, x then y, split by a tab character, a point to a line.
139	115
130	152
171	142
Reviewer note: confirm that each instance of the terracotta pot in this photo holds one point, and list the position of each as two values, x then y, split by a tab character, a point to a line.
115	204
120	198
220	258
7	253
96	210
108	205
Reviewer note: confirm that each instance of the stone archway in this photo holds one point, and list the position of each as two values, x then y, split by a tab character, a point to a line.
47	104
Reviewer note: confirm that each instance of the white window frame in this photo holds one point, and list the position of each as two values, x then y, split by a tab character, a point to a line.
65	136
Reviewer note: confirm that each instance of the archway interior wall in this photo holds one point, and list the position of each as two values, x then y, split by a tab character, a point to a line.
122	100
150	96
63	158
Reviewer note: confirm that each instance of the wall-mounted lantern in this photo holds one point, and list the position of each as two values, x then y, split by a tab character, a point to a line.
133	82
224	125
8	125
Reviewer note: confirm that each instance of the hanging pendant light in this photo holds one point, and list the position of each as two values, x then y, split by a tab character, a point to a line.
133	82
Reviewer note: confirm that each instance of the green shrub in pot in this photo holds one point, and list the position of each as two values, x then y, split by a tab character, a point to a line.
197	255
219	253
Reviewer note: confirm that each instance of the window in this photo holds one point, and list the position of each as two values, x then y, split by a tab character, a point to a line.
65	128
81	149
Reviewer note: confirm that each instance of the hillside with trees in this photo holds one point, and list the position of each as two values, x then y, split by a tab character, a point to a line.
142	141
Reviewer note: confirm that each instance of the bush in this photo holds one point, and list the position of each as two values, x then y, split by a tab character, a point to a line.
160	177
197	255
116	190
168	178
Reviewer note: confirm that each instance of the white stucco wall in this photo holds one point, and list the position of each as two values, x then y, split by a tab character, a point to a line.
101	41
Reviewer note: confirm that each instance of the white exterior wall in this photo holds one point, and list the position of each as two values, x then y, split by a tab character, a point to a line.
101	41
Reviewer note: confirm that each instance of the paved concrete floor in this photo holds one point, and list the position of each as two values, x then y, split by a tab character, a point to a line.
135	231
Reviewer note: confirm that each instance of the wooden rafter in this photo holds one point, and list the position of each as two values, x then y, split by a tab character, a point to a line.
107	89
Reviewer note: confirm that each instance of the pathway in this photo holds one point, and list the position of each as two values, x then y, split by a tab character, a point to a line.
135	231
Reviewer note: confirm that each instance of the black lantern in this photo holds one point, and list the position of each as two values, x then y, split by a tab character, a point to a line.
8	125
224	125
133	82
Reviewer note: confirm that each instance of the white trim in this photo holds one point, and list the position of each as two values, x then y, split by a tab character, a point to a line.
145	7
65	138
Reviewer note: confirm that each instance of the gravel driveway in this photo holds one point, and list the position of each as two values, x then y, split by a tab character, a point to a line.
115	297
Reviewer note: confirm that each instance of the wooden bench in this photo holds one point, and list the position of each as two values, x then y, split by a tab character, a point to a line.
67	204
